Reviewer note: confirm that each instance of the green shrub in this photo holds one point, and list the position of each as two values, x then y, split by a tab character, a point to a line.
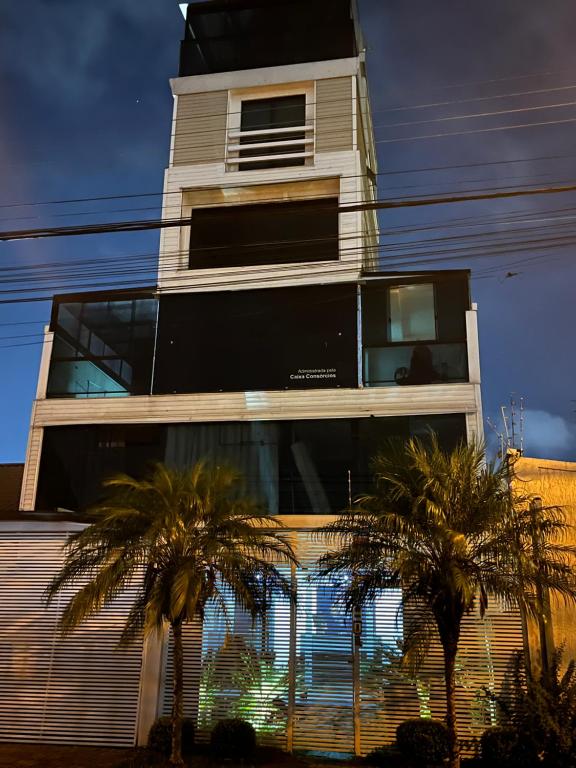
233	738
160	736
424	742
386	756
501	746
542	710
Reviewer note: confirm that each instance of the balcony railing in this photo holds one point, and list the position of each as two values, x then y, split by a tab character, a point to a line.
413	364
270	148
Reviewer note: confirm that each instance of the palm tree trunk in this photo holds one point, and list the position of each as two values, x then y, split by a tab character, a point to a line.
177	695
450	647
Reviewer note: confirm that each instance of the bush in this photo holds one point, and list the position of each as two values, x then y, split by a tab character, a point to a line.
423	742
387	756
542	710
500	746
160	736
233	738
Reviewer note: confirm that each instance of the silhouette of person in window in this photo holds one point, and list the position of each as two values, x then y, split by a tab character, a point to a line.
421	369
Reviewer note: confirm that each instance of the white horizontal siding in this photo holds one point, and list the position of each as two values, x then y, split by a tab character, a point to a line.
334	115
32	465
75	690
200	128
242	406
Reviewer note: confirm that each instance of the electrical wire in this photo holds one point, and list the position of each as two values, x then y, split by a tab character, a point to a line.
143	225
233	185
476	131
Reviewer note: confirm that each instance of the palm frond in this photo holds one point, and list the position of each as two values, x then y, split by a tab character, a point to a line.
190	533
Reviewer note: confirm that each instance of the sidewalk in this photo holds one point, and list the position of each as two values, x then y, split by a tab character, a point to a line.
44	756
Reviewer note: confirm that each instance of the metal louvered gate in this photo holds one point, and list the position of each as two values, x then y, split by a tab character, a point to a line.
306	683
235	667
77	690
324	692
389	695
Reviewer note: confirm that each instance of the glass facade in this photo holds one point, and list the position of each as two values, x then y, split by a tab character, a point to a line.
311	466
299	337
224	36
271	339
102	348
414	331
412	313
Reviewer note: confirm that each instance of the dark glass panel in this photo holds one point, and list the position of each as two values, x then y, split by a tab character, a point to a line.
221	36
402	364
102	348
441	358
278	112
280	338
452	302
266	233
293	467
75	461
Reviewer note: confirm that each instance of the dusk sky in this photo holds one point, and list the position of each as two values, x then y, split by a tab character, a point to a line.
86	112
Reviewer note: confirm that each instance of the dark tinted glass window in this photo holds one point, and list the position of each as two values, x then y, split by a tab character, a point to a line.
279	112
275	115
102	348
267	233
278	338
415	332
75	461
294	467
224	36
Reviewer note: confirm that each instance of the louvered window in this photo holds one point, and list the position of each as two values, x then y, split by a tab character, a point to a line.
273	133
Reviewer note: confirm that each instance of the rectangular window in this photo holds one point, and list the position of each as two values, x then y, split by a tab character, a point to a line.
266	125
265	233
412	313
278	112
257	340
415	333
269	133
102	348
308	466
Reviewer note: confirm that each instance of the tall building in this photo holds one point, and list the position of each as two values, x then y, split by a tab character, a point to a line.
275	340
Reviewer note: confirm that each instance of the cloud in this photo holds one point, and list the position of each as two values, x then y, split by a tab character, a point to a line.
63	46
546	436
549	436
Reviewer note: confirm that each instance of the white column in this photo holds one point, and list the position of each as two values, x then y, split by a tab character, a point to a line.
150	681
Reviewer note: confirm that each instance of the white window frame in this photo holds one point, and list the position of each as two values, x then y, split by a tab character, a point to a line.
238	96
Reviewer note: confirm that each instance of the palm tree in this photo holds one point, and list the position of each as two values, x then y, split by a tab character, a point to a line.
186	536
446	528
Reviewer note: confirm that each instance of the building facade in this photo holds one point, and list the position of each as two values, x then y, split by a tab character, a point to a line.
274	340
551	484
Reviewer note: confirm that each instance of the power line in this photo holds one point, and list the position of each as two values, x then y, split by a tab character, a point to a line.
424	169
436	185
473	99
475	131
476	115
142	225
390	261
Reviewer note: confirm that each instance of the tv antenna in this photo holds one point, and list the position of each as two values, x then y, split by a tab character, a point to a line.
511	434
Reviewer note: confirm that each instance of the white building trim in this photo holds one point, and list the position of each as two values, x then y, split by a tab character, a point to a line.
252	78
